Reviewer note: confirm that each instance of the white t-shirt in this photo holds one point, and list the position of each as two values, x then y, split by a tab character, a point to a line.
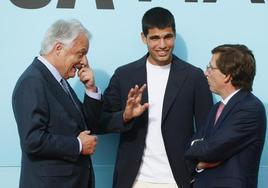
155	166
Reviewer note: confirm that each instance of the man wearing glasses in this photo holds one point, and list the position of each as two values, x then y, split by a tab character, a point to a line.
227	151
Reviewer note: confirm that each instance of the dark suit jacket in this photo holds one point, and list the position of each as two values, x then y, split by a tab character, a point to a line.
187	100
236	139
48	124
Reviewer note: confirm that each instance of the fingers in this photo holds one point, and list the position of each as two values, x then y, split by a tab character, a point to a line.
88	142
135	96
134	107
86	76
142	88
86	132
145	106
136	91
89	145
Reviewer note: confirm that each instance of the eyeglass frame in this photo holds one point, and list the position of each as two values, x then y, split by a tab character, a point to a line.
209	67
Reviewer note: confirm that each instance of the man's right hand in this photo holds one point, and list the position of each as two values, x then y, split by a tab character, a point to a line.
88	142
134	107
204	165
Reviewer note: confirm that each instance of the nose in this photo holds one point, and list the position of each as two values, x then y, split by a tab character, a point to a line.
84	61
206	72
163	43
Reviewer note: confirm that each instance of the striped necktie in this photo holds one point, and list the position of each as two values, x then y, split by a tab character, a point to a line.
67	90
65	87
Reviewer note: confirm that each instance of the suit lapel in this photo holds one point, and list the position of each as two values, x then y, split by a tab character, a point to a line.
176	78
211	119
141	77
229	106
57	91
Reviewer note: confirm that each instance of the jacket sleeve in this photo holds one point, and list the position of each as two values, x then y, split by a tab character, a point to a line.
202	104
113	107
92	111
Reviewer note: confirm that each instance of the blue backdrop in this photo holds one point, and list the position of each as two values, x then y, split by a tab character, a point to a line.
116	26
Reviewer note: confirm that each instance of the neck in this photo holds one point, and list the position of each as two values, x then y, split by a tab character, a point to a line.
227	91
53	62
159	63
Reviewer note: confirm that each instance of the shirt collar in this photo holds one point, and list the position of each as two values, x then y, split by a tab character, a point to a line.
51	68
225	101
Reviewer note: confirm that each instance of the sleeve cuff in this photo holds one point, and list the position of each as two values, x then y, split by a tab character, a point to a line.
94	95
80	145
199	170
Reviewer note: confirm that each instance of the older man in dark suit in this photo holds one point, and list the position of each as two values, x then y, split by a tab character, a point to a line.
54	126
228	151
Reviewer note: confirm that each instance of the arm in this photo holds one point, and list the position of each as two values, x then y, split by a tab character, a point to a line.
237	133
121	109
203	103
92	103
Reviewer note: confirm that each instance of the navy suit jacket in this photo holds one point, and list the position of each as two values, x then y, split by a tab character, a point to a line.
236	139
48	124
187	100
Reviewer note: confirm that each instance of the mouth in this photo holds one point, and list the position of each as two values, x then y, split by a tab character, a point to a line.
78	66
74	69
162	53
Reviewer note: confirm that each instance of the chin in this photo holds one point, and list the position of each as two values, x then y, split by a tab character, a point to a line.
164	58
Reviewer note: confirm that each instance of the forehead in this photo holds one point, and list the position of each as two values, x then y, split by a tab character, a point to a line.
160	32
81	43
214	58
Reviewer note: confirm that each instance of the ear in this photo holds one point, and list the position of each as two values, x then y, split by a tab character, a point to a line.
58	46
227	78
143	37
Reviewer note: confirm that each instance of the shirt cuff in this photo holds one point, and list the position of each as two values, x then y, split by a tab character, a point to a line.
199	170
80	145
94	95
196	140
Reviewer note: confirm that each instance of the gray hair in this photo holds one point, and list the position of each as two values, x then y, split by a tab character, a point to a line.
64	31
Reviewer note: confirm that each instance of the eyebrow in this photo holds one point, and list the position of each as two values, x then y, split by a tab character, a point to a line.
168	35
83	51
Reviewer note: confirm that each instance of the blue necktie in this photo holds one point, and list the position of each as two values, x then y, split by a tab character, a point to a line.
67	90
65	87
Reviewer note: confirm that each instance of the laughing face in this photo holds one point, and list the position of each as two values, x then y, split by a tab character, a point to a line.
71	56
160	44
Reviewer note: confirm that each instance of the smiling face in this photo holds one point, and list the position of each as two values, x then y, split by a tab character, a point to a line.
160	44
70	57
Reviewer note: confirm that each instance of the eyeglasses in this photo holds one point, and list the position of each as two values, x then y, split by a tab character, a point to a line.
210	67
